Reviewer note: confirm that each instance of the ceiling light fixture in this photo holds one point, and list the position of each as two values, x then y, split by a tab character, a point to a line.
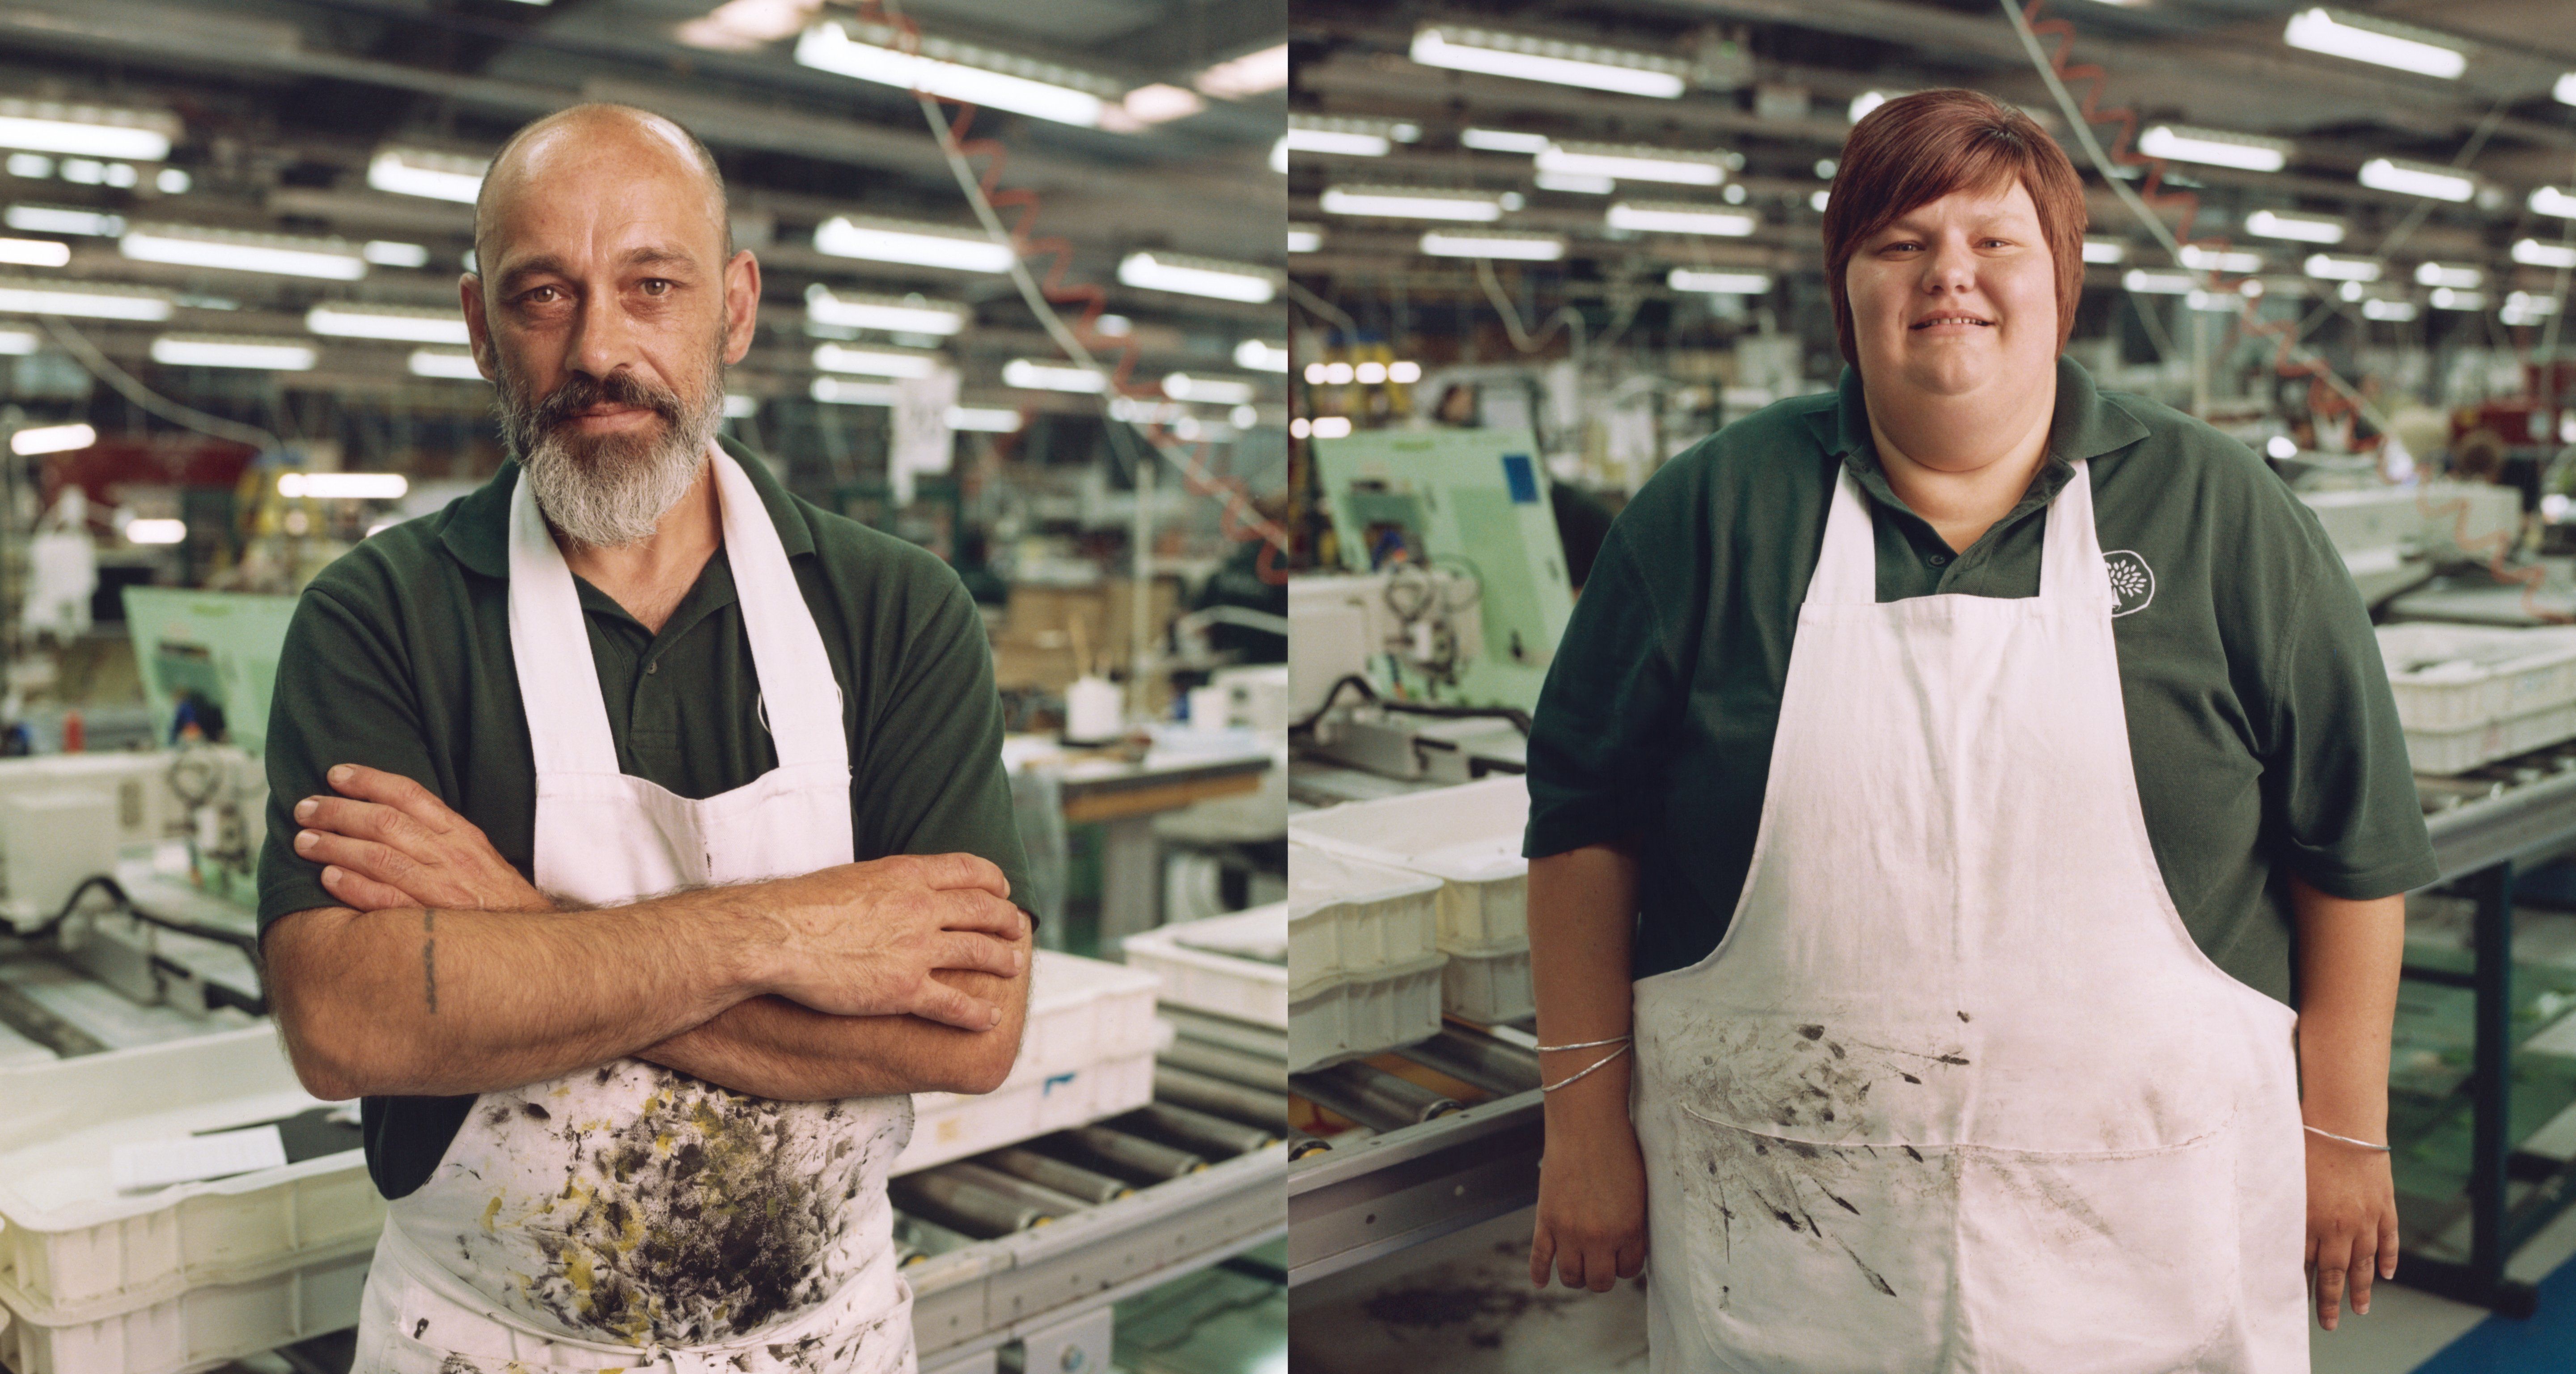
387	253
2105	251
2551	200
1400	202
1348	137
2364	38
27	443
429	175
841	391
35	252
343	486
875	362
275	254
439	362
89	300
2215	148
147	530
912	314
2219	260
1254	355
207	350
2534	253
2449	274
922	245
1472	243
2283	224
1460	48
2142	281
984	419
2444	298
1503	141
1181	386
1304	238
1631	163
2417	179
1251	74
1147	106
63	219
1664	218
1030	374
959	71
1575	183
86	130
1193	276
1718	283
402	323
2334	267
2394	311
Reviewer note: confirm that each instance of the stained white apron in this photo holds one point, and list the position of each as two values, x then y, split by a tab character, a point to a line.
630	1217
1957	1091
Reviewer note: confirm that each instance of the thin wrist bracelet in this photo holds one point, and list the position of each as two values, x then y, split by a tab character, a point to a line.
1586	1044
1597	1063
2348	1140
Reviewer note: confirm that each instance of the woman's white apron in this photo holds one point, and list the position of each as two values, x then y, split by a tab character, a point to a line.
1957	1091
630	1217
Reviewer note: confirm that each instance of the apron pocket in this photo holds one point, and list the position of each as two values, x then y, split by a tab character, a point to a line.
2101	1263
1796	1254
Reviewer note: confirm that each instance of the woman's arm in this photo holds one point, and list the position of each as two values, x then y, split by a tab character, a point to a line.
1592	1180
2349	952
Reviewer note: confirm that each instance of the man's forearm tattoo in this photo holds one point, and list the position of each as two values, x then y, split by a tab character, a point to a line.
429	955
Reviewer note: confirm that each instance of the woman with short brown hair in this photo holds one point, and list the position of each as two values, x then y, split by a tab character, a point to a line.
1971	770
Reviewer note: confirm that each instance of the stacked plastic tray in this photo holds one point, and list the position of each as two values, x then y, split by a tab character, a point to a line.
1087	1053
1234	966
1469	838
183	1277
2468	695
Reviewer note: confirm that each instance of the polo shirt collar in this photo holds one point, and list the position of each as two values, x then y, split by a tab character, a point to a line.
477	530
2085	426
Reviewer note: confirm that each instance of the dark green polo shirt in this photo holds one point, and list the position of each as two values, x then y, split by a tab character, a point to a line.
2261	725
399	658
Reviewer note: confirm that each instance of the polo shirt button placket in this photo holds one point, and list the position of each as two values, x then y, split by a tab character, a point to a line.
1938	559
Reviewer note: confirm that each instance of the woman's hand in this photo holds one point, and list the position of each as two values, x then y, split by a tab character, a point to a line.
388	842
2352	1224
1591	1207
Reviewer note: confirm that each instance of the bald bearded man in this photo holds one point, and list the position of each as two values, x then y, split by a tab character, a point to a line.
640	839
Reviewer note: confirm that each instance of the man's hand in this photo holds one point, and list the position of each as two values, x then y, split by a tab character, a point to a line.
2352	1224
388	842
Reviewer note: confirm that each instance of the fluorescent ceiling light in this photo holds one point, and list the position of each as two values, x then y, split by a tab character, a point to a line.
742	25
1404	372
147	530
2144	282
998	80
32	166
2417	179
738	407
2444	298
1147	106
2105	250
1629	163
1253	355
2219	260
841	391
2565	91
60	219
172	181
438	362
1820	200
875	362
1719	283
35	252
27	443
1400	202
1181	386
1191	276
2282	224
1867	101
1250	74
343	486
434	176
1576	183
1029	374
1545	59
1655	217
922	245
1279	156
30	296
2333	267
86	130
271	253
2215	148
1349	137
2534	253
387	322
1304	238
911	314
2450	274
387	253
1329	426
2215	302
1470	243
984	419
2522	307
2366	39
17	343
2391	310
1503	141
2550	200
201	350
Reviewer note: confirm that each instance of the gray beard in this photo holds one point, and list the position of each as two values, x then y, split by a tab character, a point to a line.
613	490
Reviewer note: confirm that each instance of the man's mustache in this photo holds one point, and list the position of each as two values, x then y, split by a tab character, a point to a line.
580	391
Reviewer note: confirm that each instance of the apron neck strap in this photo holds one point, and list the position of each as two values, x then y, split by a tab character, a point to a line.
550	645
2070	558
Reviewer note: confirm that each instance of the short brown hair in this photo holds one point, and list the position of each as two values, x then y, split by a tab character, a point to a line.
1914	150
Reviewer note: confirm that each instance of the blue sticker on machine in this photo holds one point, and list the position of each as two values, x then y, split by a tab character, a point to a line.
1522	479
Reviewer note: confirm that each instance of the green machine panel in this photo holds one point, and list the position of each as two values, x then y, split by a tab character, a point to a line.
223	646
1469	499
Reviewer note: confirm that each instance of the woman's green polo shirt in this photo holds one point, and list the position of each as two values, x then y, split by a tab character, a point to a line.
2261	725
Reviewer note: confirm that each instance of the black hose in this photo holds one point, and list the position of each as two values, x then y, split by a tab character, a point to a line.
1519	718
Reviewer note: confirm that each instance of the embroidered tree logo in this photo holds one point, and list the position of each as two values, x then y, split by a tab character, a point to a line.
2131	580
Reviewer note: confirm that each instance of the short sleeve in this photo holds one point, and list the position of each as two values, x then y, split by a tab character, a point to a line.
2338	788
343	695
1601	735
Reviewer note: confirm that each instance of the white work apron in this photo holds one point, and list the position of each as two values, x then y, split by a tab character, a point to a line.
627	1216
1957	1091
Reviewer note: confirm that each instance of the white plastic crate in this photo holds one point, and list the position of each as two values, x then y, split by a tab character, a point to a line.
949	1126
1487	987
2457	751
201	1328
1223	965
1081	1012
1468	836
2450	677
1393	1006
1348	917
72	1244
